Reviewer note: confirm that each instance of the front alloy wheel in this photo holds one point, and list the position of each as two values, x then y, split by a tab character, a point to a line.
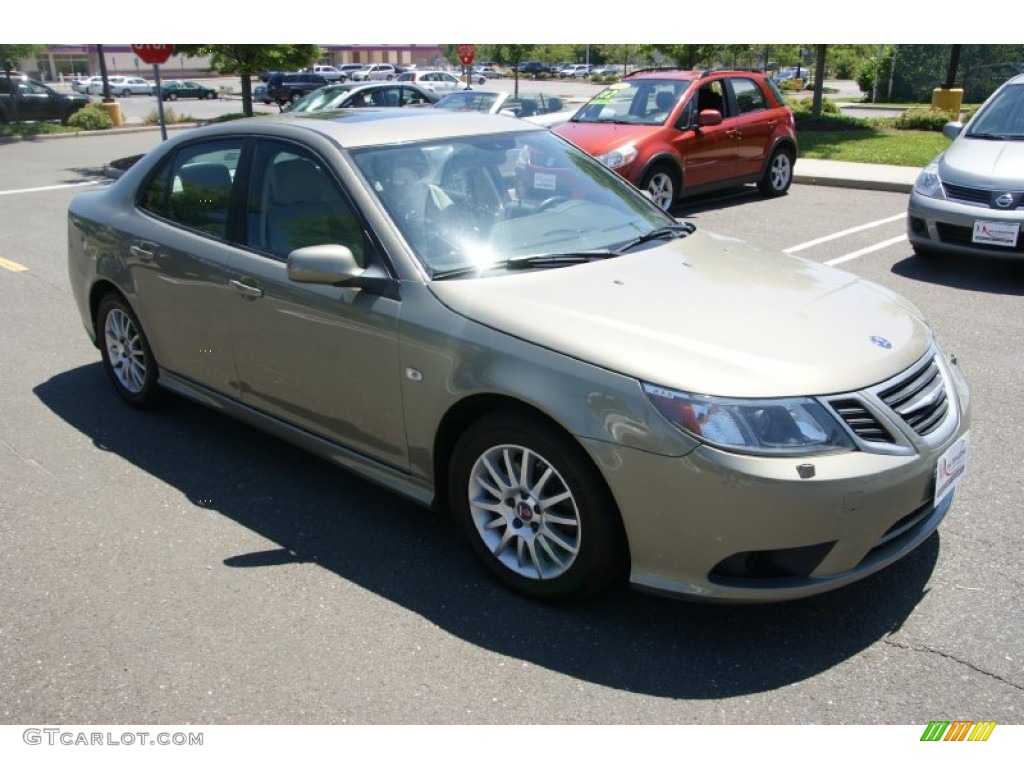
660	183
534	508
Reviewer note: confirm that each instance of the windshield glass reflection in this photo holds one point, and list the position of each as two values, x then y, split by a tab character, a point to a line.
483	200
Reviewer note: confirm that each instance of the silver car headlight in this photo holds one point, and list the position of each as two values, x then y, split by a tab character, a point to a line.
928	182
792	426
621	156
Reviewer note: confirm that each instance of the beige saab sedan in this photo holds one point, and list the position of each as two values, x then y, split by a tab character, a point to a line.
470	311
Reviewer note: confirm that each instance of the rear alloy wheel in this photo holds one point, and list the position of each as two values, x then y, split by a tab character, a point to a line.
778	175
172	97
534	508
127	357
662	183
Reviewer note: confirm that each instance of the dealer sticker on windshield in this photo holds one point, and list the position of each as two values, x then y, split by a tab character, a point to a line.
950	468
996	233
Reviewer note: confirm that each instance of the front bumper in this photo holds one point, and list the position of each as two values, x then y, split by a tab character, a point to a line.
948	226
719	526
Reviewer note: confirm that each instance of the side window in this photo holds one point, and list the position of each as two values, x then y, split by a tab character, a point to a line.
711	96
193	188
411	96
749	97
294	203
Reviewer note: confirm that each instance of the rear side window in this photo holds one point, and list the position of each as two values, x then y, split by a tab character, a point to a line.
193	187
749	97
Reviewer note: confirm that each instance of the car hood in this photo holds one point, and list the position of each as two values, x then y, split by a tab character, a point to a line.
708	315
598	138
983	163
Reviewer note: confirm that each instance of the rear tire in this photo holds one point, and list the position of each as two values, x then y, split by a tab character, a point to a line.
127	357
778	174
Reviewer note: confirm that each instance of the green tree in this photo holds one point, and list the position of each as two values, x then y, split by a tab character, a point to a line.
247	61
11	55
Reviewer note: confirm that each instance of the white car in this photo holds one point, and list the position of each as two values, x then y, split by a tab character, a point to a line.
121	85
575	70
331	74
375	72
81	84
434	79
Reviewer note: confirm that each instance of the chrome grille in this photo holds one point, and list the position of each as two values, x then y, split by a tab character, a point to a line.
861	421
920	399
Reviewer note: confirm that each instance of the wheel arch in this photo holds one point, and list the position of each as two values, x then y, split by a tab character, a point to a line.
663	158
786	142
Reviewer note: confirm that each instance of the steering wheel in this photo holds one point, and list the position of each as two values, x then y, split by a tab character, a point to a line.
551	202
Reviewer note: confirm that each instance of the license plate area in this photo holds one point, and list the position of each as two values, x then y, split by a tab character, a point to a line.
950	468
995	233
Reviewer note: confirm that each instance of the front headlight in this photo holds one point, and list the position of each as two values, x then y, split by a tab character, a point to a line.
622	156
928	182
795	426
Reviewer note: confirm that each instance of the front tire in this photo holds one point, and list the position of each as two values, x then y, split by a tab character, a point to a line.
127	357
534	508
662	183
778	175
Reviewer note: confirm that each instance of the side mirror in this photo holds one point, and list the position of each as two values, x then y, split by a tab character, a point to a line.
952	130
709	118
326	264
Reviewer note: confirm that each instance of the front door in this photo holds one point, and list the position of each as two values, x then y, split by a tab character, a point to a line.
322	357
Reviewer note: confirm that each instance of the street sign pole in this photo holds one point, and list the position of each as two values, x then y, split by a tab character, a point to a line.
159	102
156	55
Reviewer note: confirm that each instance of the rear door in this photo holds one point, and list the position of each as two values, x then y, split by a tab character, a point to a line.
753	124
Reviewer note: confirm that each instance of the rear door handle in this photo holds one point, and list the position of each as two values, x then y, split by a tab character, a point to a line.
247	291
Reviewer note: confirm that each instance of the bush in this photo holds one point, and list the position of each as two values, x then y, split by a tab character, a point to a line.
804	122
803	104
923	120
170	116
91	118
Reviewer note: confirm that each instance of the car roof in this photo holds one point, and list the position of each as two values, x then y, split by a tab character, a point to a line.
367	126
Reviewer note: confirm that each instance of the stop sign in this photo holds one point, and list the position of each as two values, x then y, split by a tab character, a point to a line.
153	54
466	54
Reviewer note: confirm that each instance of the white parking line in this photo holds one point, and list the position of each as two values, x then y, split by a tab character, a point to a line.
47	189
844	233
864	251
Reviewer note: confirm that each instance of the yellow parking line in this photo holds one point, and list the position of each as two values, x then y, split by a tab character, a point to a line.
12	266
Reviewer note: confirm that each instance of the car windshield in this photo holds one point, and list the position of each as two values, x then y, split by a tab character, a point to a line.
467	205
636	102
320	99
1003	117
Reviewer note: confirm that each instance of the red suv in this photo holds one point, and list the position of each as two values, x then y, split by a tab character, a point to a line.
676	133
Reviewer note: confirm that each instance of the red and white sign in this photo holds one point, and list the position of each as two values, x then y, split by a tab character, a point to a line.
153	54
466	54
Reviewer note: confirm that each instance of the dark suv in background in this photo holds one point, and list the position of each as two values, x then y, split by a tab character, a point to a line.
675	133
36	101
287	87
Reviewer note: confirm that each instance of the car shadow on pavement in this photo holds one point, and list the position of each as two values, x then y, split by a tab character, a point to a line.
627	640
1004	276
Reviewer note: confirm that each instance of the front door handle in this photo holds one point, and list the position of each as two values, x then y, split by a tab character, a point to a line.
140	253
248	291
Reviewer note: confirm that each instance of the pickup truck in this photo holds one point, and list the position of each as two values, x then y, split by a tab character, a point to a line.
36	101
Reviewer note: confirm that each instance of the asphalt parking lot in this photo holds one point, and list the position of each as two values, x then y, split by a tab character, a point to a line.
180	567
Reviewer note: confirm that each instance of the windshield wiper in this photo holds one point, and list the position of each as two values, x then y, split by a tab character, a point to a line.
671	231
557	259
991	136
